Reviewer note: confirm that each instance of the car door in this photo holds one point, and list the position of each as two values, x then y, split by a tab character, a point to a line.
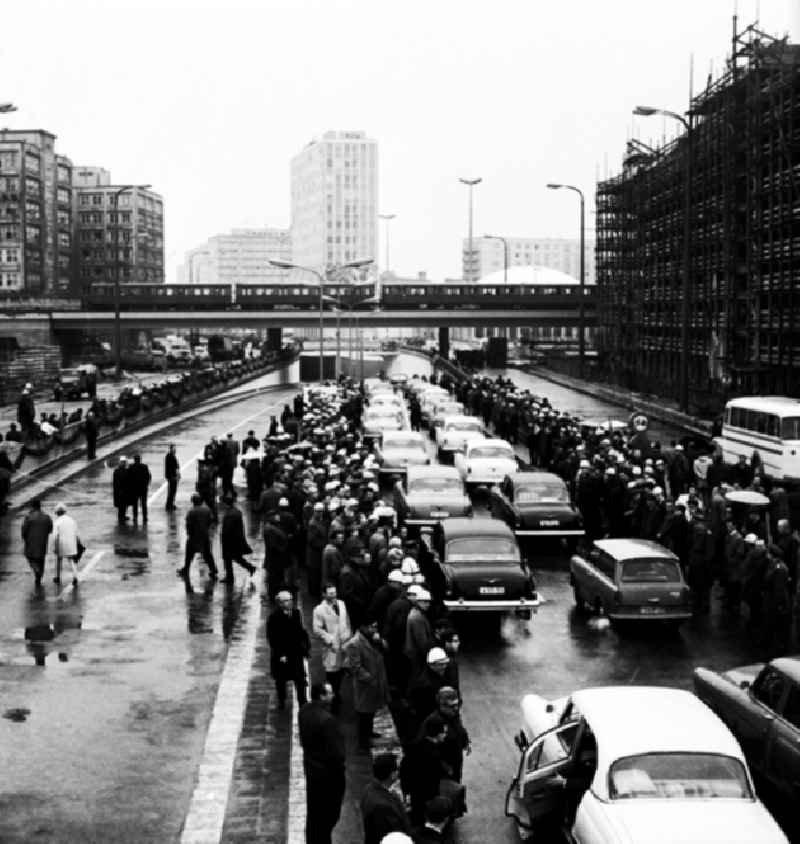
783	760
538	789
500	503
751	721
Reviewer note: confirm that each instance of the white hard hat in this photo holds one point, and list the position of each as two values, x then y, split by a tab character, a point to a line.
396	576
409	566
437	655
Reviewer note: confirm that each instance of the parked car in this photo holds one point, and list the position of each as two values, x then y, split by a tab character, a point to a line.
629	764
483	568
485	461
74	383
428	494
454	432
536	504
761	705
630	580
397	450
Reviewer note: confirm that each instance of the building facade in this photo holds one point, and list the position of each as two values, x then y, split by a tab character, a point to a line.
744	261
557	253
239	257
334	187
35	214
117	231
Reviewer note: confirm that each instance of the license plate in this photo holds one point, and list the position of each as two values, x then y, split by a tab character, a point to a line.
549	523
492	590
651	610
439	514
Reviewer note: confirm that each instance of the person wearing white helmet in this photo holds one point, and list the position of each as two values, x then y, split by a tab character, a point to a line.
384	595
419	635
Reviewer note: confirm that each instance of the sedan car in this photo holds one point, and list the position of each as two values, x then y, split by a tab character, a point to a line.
428	494
454	432
629	764
441	411
536	504
630	580
482	566
375	421
761	705
428	399
398	450
485	461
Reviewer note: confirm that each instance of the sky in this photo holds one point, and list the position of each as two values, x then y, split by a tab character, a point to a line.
208	102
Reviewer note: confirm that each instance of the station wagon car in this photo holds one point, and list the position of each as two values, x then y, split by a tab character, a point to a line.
428	494
761	705
630	580
485	461
482	566
536	504
397	450
633	765
454	433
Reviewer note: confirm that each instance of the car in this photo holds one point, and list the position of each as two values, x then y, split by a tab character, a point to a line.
454	432
73	383
536	504
399	379
630	580
625	764
428	494
398	450
761	705
482	567
442	410
429	398
386	401
375	421
485	461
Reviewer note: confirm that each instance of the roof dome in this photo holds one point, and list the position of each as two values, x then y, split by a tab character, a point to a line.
530	274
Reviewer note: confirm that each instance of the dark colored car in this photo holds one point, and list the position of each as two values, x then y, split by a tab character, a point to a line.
428	494
482	566
761	706
73	383
536	504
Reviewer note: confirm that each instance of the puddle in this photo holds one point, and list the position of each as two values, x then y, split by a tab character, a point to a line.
17	714
137	553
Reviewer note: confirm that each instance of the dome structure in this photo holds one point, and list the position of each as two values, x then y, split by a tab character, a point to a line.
531	274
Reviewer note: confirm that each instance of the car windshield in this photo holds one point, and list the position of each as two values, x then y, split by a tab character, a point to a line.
410	443
681	776
449	410
495	452
551	493
484	548
464	426
436	486
650	571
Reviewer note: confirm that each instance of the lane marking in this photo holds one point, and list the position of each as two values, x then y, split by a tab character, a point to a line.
206	816
82	572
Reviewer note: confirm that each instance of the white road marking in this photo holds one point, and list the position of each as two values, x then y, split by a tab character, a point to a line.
82	573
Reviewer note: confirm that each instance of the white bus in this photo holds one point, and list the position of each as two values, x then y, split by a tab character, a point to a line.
769	425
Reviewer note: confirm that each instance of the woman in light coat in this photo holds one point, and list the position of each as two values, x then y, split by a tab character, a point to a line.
331	625
65	542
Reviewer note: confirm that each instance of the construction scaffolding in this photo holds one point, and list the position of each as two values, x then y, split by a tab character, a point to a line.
744	244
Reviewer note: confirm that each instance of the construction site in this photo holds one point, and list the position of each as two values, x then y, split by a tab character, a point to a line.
730	181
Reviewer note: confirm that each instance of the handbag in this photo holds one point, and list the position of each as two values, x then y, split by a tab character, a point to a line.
81	549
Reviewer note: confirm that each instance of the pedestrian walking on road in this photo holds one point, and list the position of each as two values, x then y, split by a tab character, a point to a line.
26	410
382	810
138	483
90	430
198	539
276	555
229	453
323	762
121	489
289	647
233	540
36	529
331	626
66	543
172	474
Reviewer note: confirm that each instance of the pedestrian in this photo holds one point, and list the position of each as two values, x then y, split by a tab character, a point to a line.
66	542
289	647
331	626
233	541
356	588
26	410
198	538
90	431
36	528
276	555
332	558
121	491
172	474
228	454
777	603
382	810
323	746
364	659
138	483
316	540
424	687
423	768
457	743
419	636
438	814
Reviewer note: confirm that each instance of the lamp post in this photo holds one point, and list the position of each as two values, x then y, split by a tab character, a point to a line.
582	264
7	108
118	272
387	218
471	184
683	373
505	253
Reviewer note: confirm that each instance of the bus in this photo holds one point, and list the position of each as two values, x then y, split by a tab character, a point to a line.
769	425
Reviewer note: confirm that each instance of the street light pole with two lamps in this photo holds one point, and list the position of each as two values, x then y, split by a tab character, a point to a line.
470	184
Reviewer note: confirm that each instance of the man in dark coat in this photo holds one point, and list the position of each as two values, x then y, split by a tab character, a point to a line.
323	745
138	484
198	539
316	539
119	482
457	742
364	658
36	528
423	767
26	410
276	555
381	809
90	432
228	454
424	688
232	538
172	474
289	646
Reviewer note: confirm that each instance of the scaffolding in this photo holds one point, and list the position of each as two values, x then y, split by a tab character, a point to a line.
744	327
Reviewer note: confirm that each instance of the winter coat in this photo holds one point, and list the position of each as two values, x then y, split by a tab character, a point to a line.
287	638
234	543
198	524
65	536
419	640
138	478
36	528
370	686
333	631
383	812
120	486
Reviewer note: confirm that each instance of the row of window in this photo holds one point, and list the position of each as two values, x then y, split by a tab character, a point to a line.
760	422
9	279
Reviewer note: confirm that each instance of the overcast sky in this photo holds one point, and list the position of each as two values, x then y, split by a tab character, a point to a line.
208	101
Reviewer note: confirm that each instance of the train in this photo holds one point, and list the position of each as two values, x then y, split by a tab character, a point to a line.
361	296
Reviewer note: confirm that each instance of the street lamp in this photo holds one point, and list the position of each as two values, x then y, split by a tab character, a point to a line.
581	307
7	108
387	218
505	253
471	184
117	272
683	374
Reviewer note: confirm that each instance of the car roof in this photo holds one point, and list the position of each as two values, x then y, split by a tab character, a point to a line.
634	549
475	526
462	418
437	470
788	665
487	441
540	477
403	435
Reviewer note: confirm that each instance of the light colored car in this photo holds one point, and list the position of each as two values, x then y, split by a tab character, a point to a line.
398	450
442	410
375	422
429	399
386	401
634	765
485	461
454	432
428	494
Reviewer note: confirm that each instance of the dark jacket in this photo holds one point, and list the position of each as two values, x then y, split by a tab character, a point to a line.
365	661
138	478
36	528
121	486
198	524
232	535
383	812
287	638
171	467
322	739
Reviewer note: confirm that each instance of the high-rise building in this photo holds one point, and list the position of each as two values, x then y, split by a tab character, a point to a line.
240	257
556	253
35	214
335	200
118	231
